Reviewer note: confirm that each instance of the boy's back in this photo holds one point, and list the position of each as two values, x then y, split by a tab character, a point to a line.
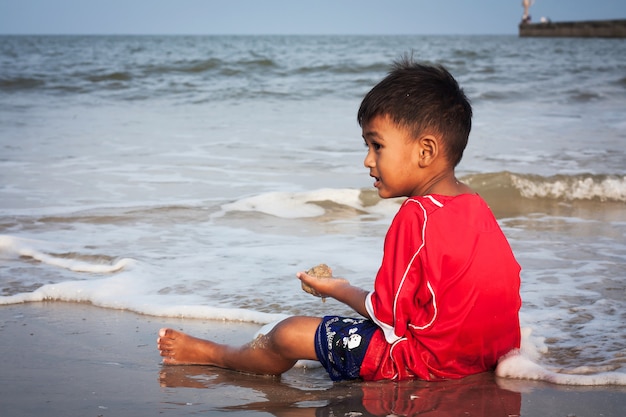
454	285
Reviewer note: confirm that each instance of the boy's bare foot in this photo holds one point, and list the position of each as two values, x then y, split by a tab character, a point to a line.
178	348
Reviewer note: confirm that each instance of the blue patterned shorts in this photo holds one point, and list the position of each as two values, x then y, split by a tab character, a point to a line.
341	343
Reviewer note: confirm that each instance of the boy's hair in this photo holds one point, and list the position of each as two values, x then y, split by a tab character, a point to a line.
424	99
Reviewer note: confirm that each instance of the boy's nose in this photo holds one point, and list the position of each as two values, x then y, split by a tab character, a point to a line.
368	161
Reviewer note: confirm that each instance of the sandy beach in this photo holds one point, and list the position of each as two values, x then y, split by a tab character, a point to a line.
68	359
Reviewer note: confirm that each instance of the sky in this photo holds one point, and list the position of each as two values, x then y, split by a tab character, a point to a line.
255	17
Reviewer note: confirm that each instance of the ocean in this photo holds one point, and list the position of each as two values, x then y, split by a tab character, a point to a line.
193	176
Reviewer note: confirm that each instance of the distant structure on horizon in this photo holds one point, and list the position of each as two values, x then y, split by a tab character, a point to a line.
580	29
615	28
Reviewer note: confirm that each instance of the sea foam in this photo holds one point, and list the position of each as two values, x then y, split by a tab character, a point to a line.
577	187
13	246
518	366
557	187
295	205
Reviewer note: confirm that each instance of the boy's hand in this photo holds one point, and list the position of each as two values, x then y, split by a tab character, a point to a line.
337	288
322	286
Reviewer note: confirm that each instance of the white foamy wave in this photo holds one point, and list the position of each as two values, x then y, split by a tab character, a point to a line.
522	364
123	287
293	205
577	187
212	313
126	291
518	366
13	246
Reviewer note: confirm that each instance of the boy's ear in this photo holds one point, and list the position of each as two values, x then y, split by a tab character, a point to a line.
428	149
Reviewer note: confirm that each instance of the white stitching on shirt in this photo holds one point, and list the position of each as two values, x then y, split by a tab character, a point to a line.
432	292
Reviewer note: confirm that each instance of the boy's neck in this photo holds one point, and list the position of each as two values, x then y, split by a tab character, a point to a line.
446	184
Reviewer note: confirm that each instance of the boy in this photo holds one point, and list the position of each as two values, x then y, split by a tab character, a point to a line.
446	298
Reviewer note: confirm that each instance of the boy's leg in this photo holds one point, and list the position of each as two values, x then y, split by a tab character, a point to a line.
272	354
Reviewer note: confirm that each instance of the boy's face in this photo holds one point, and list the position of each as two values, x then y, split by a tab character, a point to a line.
392	158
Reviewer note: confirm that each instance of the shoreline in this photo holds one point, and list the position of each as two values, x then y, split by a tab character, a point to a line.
70	359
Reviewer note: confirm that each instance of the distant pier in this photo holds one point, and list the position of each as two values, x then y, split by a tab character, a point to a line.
581	29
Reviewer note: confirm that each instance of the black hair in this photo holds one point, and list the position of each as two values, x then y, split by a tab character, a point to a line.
425	99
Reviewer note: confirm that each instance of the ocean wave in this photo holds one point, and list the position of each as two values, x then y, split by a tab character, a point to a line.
350	68
507	193
115	293
518	366
577	187
107	282
11	246
197	66
582	96
497	188
112	76
20	83
325	204
193	67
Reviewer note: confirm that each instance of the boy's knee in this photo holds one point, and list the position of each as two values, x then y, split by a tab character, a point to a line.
293	335
287	330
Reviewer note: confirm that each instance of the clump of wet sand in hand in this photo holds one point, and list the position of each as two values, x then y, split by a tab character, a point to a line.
319	271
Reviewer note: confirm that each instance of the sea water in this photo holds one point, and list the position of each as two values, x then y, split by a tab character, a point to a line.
193	176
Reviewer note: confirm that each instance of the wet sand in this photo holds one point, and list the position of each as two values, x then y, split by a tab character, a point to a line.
67	359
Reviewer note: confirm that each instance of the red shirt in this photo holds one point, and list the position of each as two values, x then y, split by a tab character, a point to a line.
446	297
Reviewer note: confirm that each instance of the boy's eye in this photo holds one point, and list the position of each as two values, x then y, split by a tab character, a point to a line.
375	146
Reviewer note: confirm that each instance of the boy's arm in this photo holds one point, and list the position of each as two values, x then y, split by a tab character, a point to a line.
339	289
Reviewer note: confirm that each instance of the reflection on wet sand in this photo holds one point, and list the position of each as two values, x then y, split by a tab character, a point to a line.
478	395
